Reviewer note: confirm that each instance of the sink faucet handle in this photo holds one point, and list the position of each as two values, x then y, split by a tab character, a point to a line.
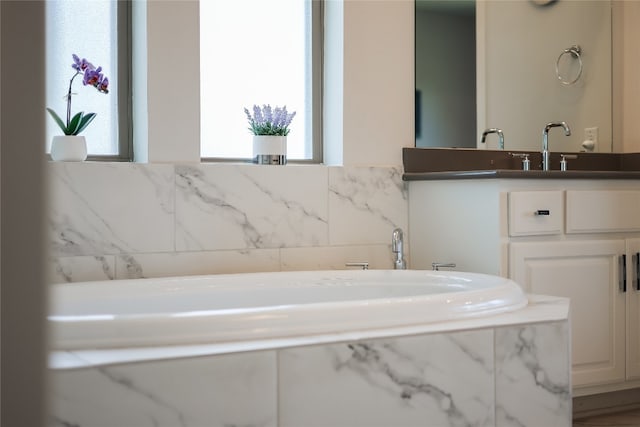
563	160
526	163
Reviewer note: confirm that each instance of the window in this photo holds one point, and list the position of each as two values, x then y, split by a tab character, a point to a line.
97	30
259	52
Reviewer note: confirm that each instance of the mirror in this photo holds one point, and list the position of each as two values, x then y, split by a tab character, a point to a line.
510	65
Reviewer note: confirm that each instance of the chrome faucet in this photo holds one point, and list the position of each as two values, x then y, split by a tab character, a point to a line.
545	141
494	130
397	247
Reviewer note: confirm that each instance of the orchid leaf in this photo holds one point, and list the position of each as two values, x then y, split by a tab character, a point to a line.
74	123
58	120
84	122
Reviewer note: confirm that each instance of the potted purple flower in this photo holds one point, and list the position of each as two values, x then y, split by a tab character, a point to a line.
71	146
270	128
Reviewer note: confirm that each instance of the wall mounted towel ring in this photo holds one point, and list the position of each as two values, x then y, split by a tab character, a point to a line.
573	51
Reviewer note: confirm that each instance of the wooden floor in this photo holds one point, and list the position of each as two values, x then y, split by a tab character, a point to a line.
630	418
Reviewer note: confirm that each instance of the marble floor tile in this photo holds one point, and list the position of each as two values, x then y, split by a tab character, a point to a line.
620	419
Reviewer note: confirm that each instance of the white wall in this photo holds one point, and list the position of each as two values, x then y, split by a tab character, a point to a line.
522	44
169	88
378	81
627	81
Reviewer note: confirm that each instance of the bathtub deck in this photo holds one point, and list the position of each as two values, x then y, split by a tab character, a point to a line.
540	309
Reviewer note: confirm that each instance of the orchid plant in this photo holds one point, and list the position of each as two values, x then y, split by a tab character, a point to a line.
266	121
92	76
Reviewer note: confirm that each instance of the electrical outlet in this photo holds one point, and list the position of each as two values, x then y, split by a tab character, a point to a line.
591	134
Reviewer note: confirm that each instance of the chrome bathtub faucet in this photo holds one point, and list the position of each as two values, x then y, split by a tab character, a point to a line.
397	247
545	141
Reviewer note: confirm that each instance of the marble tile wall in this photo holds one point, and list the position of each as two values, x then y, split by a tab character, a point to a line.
503	376
126	220
533	375
426	380
230	390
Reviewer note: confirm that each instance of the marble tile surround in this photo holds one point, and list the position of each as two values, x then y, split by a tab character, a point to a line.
126	220
502	376
111	221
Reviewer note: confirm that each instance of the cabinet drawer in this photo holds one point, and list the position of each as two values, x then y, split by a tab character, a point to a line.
590	211
535	212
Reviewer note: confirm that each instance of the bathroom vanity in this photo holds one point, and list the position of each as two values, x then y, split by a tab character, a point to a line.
573	234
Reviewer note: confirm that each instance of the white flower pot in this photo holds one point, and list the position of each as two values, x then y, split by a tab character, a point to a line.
69	148
270	149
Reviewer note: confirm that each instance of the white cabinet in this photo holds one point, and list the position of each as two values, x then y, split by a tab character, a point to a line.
587	272
603	211
556	237
536	213
633	309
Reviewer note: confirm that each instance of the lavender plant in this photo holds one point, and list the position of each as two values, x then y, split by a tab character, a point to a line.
92	76
266	121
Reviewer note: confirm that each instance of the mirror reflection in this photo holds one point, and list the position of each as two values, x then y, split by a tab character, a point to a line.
513	66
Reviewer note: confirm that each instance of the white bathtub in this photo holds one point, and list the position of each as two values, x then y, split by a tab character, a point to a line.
293	349
196	310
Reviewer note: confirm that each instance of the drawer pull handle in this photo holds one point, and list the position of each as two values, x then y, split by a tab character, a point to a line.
545	212
638	271
624	272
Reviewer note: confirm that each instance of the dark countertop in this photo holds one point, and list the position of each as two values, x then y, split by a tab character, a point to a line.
443	163
519	174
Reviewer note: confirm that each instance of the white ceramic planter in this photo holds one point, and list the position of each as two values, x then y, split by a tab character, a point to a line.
270	149
69	148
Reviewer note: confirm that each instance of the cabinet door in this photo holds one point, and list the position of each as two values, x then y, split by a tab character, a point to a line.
588	273
633	309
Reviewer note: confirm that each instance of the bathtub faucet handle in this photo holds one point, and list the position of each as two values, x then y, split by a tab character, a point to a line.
362	265
397	247
436	266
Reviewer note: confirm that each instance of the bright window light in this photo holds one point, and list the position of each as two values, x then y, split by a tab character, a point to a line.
88	29
254	52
